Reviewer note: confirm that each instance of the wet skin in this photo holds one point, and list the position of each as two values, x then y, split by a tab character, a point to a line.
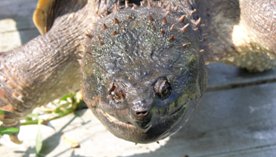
139	82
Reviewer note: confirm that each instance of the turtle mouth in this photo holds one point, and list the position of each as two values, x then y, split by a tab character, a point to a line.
113	120
158	127
123	124
176	111
132	124
161	122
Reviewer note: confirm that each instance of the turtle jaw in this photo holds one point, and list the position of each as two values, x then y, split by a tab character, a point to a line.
158	127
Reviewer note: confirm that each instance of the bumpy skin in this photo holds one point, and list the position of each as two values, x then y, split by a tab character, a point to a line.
131	59
142	66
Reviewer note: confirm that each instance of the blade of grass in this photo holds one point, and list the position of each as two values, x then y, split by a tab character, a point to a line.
38	140
8	131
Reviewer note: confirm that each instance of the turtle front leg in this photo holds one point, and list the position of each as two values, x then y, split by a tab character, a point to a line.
47	67
254	37
36	73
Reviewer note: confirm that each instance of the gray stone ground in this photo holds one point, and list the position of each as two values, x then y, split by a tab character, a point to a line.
236	117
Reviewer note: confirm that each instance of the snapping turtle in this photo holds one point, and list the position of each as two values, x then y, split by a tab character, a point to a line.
141	64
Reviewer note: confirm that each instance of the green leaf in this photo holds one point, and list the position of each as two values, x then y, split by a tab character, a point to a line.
2	112
8	131
38	142
64	98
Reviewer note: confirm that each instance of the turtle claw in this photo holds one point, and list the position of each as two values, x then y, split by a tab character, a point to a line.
15	139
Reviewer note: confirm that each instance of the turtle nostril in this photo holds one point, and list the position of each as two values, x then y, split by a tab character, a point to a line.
140	110
141	118
141	113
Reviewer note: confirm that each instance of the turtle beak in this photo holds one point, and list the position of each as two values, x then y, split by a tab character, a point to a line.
141	113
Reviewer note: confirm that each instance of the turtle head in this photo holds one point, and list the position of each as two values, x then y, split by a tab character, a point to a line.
143	73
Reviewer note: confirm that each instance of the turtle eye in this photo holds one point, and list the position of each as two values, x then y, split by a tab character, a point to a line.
116	94
162	88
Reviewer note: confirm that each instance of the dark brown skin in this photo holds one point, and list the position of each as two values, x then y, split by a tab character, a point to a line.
142	68
143	79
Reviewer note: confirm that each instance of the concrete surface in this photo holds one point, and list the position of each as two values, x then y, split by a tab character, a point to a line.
236	118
